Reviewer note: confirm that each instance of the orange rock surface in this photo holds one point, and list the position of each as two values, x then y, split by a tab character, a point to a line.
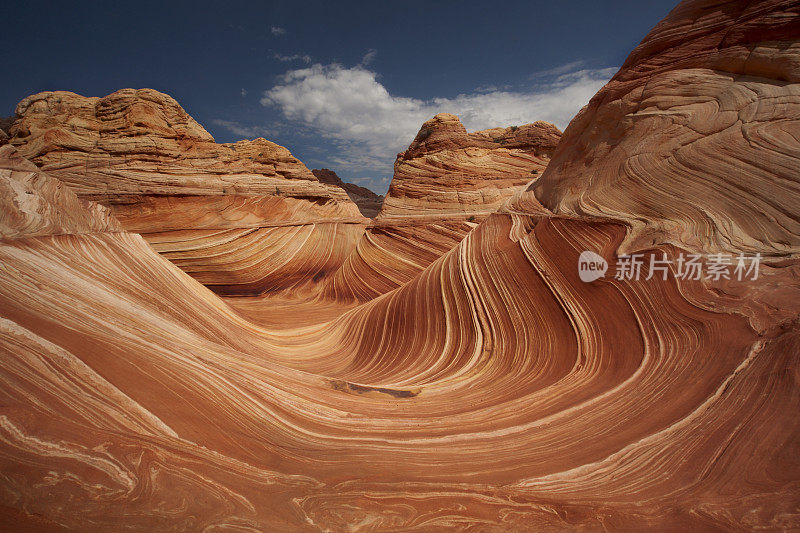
699	122
205	206
444	184
448	172
494	390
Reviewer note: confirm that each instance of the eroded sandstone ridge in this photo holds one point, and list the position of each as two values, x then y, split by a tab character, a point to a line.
205	206
448	172
248	218
367	201
494	390
444	184
698	123
34	204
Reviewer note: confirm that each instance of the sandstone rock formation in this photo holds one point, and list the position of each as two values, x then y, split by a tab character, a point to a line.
202	204
448	172
495	390
694	107
134	145
248	218
5	125
445	183
367	201
34	204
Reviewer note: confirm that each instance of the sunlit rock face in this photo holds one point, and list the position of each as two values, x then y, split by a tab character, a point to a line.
448	172
204	205
695	133
33	204
444	184
495	390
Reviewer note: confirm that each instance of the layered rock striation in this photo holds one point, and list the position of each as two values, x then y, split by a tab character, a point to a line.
698	123
35	204
202	204
494	390
444	184
447	172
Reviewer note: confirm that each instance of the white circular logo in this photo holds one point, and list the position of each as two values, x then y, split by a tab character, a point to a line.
591	266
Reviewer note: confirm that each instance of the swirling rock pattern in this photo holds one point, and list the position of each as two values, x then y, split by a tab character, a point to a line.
725	99
32	203
162	175
493	391
444	184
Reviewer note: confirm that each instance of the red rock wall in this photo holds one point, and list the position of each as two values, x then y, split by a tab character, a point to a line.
494	390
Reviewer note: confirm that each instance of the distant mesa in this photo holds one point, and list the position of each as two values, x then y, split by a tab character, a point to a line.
367	201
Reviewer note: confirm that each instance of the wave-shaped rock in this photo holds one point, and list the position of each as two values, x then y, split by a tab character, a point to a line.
34	204
162	175
494	390
444	184
699	121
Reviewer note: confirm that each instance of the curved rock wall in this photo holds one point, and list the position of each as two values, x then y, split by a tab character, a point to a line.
494	390
162	175
444	184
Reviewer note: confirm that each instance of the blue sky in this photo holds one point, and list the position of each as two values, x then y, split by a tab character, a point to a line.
343	85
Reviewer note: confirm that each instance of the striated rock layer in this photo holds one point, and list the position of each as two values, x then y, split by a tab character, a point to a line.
493	391
199	203
702	113
34	204
449	172
225	214
445	183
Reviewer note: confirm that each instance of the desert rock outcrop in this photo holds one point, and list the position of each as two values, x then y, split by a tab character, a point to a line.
447	172
444	184
367	201
494	390
202	204
34	204
702	113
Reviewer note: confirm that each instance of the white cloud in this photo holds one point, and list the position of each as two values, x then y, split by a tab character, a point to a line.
292	57
368	126
369	57
566	68
277	31
244	93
